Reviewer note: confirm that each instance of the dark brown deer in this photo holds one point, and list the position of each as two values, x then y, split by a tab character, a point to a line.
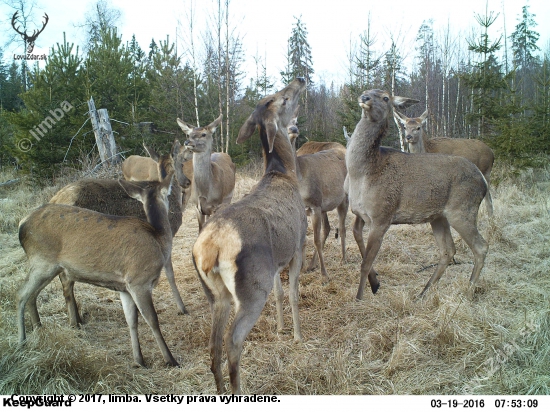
242	249
389	187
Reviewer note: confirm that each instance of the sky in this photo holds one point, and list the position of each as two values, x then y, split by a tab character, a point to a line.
265	26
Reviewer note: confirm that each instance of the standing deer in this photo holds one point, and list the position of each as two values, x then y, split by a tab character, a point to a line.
474	150
213	173
388	187
242	249
321	171
139	168
119	253
109	197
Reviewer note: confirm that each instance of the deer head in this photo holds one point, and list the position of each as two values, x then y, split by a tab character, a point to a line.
29	40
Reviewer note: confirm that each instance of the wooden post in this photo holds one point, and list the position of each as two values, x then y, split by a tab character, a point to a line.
103	132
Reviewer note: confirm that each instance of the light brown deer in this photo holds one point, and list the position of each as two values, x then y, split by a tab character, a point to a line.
213	173
315	147
474	150
109	197
321	176
139	168
388	187
124	254
242	249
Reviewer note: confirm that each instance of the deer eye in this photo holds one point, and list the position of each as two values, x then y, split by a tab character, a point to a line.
418	128
386	98
203	135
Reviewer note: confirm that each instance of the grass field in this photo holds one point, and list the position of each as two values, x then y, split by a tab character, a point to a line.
389	343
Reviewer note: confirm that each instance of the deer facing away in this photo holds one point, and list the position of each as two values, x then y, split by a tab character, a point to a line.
242	249
388	187
321	171
119	253
474	150
109	197
213	173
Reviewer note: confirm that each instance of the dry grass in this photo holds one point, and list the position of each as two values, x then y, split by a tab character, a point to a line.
389	343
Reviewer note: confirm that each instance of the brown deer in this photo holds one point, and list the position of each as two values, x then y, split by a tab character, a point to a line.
474	150
242	249
140	168
109	197
388	187
321	172
213	173
124	254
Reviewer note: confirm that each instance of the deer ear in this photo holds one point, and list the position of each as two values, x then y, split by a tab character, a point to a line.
176	148
403	102
212	126
423	117
132	189
402	118
186	127
247	129
166	184
152	154
271	129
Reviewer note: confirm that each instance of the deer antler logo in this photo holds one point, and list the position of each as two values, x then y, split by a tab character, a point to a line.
29	40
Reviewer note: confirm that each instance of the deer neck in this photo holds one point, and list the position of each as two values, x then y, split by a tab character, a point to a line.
202	170
363	152
420	145
157	216
282	158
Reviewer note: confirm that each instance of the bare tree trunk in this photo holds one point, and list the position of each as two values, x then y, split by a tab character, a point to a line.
227	77
220	99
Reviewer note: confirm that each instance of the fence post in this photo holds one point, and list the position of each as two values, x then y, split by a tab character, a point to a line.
103	132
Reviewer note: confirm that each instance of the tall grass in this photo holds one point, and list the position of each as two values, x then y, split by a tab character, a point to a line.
389	343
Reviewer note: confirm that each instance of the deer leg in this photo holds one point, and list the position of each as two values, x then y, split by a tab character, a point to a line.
70	301
39	276
325	228
220	308
445	244
358	225
317	216
279	300
374	242
467	229
342	213
246	316
169	269
294	276
131	313
144	301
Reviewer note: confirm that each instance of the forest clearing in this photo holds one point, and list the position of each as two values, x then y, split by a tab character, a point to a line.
388	343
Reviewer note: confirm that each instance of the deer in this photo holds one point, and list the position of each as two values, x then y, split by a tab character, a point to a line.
389	187
109	197
124	254
321	176
140	168
213	173
311	147
242	249
474	150
29	40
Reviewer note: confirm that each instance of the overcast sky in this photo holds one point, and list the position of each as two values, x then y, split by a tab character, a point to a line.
265	26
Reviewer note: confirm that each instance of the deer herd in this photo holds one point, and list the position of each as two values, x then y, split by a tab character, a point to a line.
118	234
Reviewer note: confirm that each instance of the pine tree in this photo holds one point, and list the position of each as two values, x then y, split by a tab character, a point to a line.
485	80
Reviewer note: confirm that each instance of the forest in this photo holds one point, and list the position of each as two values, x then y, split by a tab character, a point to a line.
493	89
